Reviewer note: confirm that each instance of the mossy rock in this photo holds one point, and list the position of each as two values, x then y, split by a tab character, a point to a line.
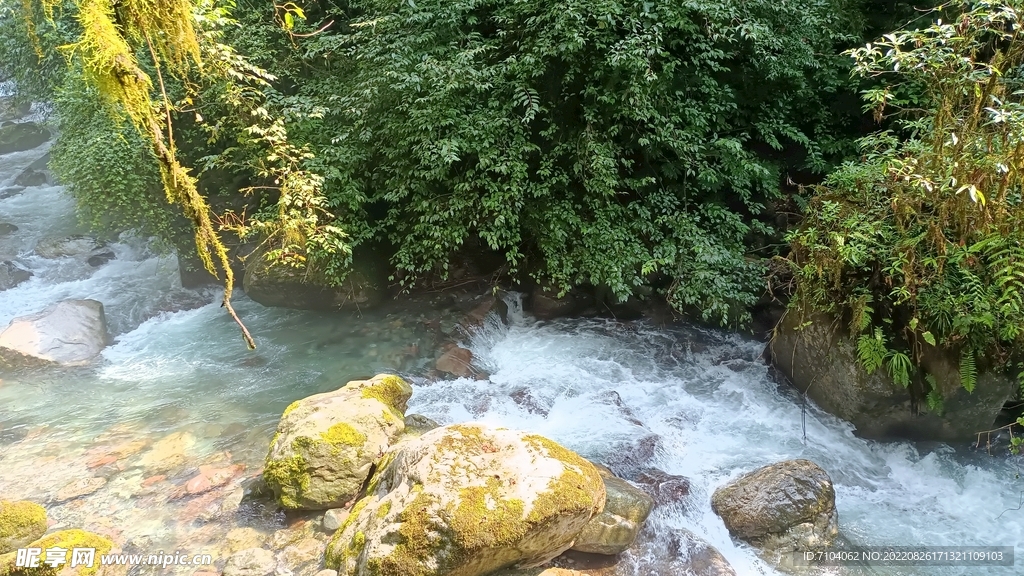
615	529
325	444
68	540
21	522
467	500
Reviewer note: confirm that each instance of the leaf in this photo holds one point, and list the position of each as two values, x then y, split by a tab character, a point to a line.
968	371
927	336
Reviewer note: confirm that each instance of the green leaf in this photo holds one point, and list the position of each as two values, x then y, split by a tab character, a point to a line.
927	336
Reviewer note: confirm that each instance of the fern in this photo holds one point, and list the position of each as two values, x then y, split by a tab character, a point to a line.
968	371
899	368
871	350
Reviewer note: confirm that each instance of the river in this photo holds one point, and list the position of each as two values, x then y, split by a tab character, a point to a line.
177	389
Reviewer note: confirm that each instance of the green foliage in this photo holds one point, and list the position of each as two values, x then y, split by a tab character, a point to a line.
585	142
927	224
109	171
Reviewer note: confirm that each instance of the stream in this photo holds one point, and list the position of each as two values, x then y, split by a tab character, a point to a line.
177	389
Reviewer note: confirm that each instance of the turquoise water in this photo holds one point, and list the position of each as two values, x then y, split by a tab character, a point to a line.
177	389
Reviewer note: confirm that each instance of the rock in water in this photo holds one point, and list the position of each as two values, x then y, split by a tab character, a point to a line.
11	275
251	562
68	333
20	523
287	287
20	136
467	500
6	229
76	246
456	361
785	507
326	443
616	527
31	177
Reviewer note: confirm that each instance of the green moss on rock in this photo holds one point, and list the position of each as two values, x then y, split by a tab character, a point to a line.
69	540
20	523
580	488
290	479
342	433
390	390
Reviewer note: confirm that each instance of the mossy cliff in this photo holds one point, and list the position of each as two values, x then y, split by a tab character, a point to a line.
466	500
326	443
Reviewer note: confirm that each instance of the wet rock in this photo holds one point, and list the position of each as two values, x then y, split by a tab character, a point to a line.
616	527
238	539
79	488
820	358
76	246
21	522
547	305
286	287
300	553
664	488
68	333
101	258
6	229
418	424
167	453
627	457
524	397
21	136
327	572
31	177
468	499
333	519
154	480
785	507
9	191
489	305
456	361
12	275
693	555
13	110
325	444
251	562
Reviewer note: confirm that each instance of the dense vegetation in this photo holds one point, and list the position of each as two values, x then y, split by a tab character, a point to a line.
614	144
918	241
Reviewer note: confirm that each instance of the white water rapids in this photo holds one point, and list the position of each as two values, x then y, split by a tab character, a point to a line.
599	387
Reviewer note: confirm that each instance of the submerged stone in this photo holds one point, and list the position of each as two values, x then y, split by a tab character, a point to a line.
615	529
467	500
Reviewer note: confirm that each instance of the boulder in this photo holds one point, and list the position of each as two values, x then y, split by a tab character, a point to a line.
11	109
821	361
418	425
693	555
20	136
21	522
781	508
663	487
545	303
616	527
11	275
68	333
456	361
77	246
333	519
31	177
326	443
6	229
279	285
467	500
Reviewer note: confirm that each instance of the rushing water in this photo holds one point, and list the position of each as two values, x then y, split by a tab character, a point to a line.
177	389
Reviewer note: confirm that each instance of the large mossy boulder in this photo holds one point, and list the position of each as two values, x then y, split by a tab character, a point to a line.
818	356
21	136
467	500
781	508
326	443
21	522
68	333
280	285
615	529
